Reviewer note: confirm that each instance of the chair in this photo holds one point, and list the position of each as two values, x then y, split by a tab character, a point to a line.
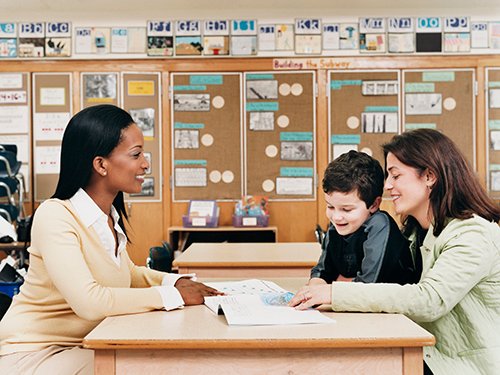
319	233
5	302
8	147
9	208
9	165
9	212
10	175
161	257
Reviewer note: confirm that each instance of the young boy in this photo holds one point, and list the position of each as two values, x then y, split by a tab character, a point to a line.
363	243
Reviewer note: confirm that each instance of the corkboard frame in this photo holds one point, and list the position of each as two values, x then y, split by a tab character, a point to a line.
26	86
222	155
152	145
492	114
302	118
465	107
353	103
45	184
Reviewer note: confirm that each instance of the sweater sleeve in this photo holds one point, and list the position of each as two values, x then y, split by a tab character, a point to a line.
55	236
374	249
464	259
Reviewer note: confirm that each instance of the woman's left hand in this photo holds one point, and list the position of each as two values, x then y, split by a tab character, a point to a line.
311	295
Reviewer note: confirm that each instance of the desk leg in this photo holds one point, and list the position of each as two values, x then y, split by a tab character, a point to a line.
104	362
413	361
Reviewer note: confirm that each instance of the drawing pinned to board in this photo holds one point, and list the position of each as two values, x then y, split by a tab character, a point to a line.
308	44
379	122
243	45
147	188
296	150
192	102
284	37
186	139
495	180
495	140
423	104
149	159
145	119
58	47
160	45
372	43
99	88
348	36
216	45
262	89
401	43
262	121
379	88
188	45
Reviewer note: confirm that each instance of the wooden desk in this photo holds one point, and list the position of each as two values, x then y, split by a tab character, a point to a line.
250	260
196	341
181	237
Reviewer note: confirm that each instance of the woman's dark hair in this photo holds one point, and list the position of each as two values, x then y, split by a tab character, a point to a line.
94	131
457	192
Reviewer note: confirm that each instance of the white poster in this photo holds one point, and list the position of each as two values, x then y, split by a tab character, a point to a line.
339	149
190	177
11	81
14	119
47	159
294	185
50	126
423	104
52	96
479	35
494	98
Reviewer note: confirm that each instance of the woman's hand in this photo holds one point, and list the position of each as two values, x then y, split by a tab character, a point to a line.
193	293
310	296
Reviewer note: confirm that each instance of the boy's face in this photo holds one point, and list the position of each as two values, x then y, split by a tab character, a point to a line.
347	212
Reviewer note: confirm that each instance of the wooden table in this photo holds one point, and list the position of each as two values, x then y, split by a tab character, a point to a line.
193	340
250	260
181	237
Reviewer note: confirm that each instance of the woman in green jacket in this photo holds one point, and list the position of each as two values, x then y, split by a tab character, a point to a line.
452	226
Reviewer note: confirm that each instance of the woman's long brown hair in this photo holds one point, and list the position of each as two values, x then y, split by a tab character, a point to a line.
457	192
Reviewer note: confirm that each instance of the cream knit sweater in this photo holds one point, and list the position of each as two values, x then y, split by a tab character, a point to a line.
72	284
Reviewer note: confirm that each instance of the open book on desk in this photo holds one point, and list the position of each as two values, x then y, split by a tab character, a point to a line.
258	302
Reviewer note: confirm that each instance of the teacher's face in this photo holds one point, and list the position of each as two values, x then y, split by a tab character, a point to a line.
408	189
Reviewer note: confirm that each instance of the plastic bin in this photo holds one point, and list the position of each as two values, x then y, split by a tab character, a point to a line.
200	221
11	289
250	221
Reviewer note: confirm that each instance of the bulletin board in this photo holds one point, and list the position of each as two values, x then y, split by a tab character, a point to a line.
493	131
141	98
52	110
99	88
206	136
364	111
15	121
280	135
442	100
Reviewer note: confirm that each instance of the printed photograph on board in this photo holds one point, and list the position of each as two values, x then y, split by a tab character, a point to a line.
145	119
186	139
191	102
296	150
262	89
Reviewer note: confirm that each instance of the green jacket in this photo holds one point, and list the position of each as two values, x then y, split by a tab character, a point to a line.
457	298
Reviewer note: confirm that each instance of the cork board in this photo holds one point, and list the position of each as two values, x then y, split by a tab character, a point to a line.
99	88
280	134
141	98
15	92
493	131
52	100
206	136
364	111
443	100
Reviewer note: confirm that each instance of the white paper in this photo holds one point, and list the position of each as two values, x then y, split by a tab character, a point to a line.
13	97
201	208
244	306
494	99
423	104
14	119
190	177
267	39
22	143
119	40
11	81
331	36
52	96
83	40
47	159
294	185
339	149
479	35
50	126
